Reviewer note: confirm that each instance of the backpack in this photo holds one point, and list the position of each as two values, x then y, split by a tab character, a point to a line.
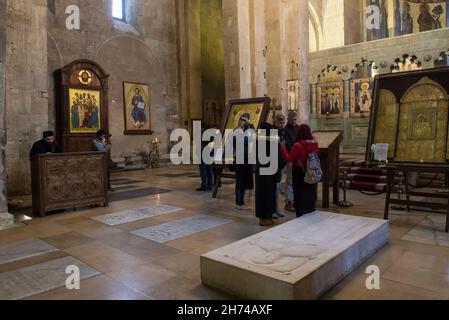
314	173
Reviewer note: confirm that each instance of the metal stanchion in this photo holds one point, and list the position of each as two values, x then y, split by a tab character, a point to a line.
345	203
400	192
445	184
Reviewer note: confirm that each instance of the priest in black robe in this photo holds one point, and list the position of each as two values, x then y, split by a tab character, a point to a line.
47	145
266	185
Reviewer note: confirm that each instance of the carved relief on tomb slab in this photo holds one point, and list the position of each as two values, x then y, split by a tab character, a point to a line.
285	256
284	252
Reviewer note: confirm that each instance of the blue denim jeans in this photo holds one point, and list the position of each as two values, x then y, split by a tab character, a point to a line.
239	196
207	176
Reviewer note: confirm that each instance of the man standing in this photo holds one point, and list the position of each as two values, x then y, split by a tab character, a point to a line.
279	123
290	132
47	145
102	144
206	170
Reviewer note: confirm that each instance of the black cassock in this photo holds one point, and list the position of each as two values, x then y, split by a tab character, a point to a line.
41	147
265	196
266	186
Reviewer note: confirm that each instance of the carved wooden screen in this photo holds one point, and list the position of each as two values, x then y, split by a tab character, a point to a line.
81	104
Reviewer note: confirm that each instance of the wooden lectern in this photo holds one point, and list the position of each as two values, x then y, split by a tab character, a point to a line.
329	143
69	180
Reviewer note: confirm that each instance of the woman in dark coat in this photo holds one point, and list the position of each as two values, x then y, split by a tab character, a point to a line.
305	194
244	172
266	186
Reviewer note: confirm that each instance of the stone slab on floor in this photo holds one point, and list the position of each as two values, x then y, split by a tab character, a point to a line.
180	228
118	218
24	249
6	220
40	278
430	231
299	260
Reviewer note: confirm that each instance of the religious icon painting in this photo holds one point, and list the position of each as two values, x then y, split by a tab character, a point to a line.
361	97
213	110
85	77
255	110
136	102
85	111
293	95
330	100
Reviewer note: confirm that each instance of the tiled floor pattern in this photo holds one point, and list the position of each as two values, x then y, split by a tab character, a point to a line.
414	265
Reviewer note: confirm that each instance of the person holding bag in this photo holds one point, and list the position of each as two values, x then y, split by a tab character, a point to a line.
306	170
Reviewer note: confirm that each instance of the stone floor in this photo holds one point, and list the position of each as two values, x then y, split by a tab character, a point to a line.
414	265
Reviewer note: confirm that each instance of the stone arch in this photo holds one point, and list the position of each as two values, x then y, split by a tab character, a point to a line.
316	28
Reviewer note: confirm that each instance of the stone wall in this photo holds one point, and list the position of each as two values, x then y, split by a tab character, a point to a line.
26	86
3	198
383	52
142	50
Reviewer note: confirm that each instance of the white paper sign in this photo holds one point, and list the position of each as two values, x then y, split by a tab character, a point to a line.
381	152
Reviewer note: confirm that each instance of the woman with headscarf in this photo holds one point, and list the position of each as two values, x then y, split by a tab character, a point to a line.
304	194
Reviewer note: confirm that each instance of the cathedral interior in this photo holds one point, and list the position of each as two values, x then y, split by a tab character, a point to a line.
370	78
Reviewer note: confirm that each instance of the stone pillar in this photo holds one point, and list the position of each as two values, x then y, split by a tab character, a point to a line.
258	47
237	49
274	38
27	87
303	62
5	218
353	13
190	60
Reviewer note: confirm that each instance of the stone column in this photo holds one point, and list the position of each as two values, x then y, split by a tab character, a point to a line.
237	49
5	218
190	60
275	41
258	47
303	61
27	87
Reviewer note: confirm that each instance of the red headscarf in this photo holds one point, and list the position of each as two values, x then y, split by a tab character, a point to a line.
304	133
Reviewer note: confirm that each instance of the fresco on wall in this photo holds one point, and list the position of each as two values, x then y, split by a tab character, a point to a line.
413	16
402	17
